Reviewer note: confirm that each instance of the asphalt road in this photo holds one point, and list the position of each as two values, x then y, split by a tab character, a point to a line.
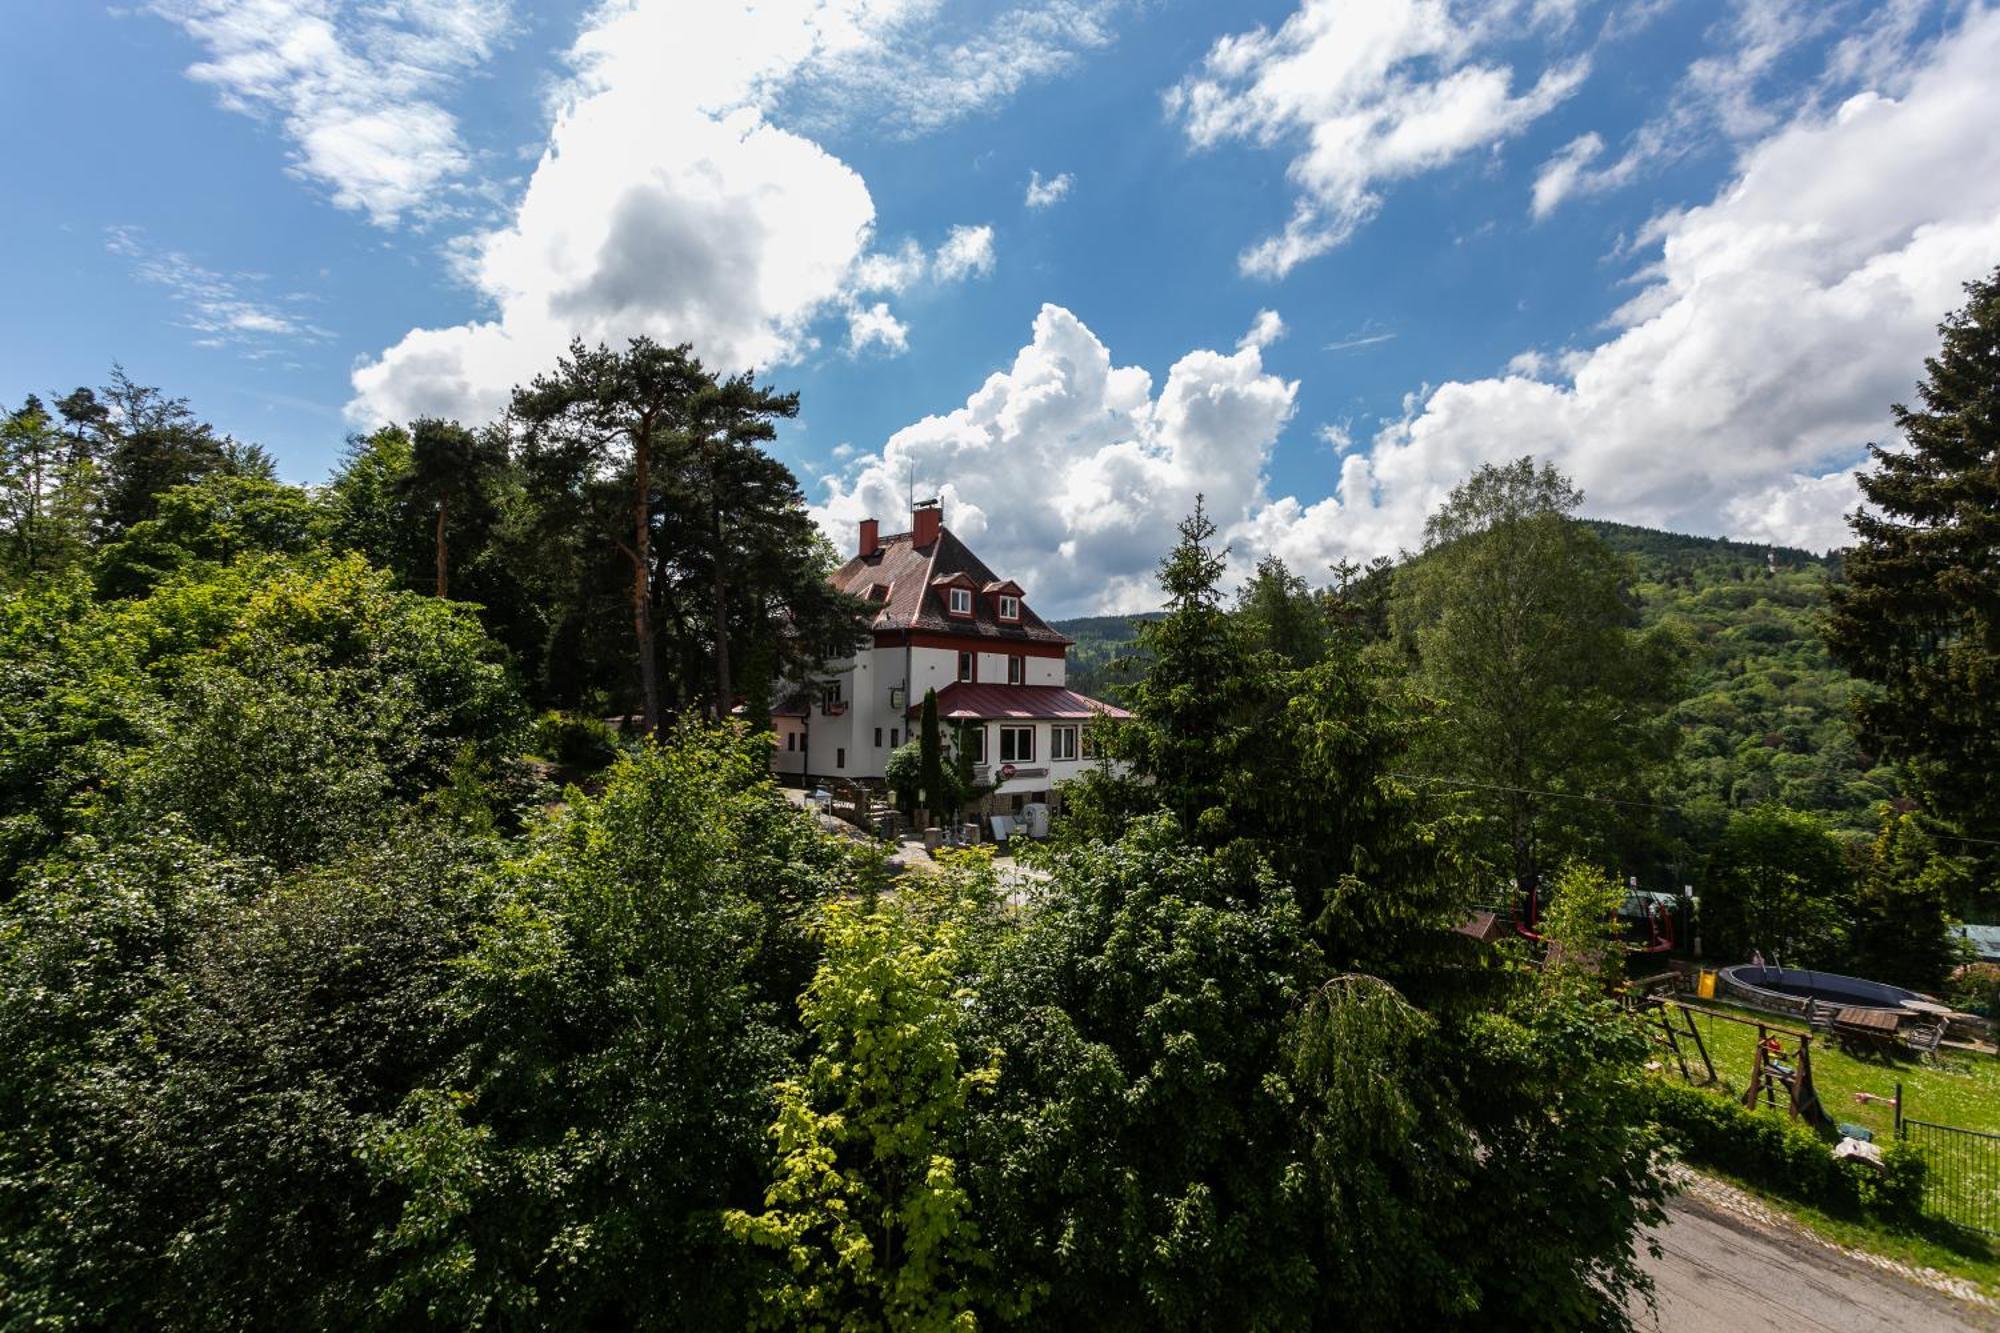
1721	1273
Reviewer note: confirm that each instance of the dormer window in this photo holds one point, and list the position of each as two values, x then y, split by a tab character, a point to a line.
1010	607
961	601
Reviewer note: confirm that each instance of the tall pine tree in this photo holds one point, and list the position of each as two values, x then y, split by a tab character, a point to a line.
1918	616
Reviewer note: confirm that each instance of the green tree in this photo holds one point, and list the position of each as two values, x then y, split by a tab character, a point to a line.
1282	614
615	1033
1131	1167
1777	881
452	467
602	421
867	1211
1196	707
727	420
1917	614
330	680
211	521
1902	908
200	1054
1514	616
154	444
30	464
932	786
1300	812
370	507
1585	954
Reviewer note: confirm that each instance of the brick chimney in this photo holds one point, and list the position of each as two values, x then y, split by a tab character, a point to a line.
925	520
871	537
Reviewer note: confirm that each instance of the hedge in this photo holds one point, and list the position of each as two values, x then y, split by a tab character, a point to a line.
1786	1158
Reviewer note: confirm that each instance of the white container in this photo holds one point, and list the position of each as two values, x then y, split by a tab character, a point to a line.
1035	818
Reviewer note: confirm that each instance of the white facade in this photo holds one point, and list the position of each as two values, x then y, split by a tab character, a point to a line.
853	736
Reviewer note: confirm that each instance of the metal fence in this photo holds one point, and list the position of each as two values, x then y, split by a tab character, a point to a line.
1962	1176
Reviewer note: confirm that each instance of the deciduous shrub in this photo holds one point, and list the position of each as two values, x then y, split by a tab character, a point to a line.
576	740
1786	1157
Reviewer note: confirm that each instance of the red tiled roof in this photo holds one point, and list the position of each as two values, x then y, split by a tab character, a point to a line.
914	600
969	701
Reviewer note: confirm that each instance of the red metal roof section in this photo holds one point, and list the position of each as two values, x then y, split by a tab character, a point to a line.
971	702
913	603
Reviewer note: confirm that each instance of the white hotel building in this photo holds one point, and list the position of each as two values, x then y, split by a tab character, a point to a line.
943	622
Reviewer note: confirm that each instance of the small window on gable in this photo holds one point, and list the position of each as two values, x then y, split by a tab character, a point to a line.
1017	670
1010	607
968	666
961	601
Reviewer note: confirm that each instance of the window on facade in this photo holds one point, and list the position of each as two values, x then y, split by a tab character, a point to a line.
1062	743
791	740
878	738
961	601
829	693
840	759
968	666
1017	671
1089	744
973	738
1010	607
1017	745
895	738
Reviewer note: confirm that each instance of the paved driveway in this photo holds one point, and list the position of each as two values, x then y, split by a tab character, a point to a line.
1724	1273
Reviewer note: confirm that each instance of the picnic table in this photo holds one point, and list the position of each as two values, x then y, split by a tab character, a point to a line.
1867	1029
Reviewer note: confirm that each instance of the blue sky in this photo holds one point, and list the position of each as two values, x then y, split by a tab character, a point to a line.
1313	259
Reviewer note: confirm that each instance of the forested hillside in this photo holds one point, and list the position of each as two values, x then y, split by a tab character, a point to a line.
1765	713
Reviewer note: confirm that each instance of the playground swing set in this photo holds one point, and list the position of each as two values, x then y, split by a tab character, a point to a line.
1777	1077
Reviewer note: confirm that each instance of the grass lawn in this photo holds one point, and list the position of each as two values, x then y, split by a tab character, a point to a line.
1956	1089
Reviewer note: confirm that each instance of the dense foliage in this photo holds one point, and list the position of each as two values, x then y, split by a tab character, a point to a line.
323	1007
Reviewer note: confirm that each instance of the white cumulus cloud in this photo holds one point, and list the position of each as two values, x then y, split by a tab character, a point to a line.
359	90
1732	395
1740	384
670	203
966	252
1264	330
1047	193
1066	471
1364	94
875	326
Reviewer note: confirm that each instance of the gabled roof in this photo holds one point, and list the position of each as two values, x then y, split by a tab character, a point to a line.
917	578
967	701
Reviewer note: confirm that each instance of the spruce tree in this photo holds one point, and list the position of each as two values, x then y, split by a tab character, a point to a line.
1918	615
1196	708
